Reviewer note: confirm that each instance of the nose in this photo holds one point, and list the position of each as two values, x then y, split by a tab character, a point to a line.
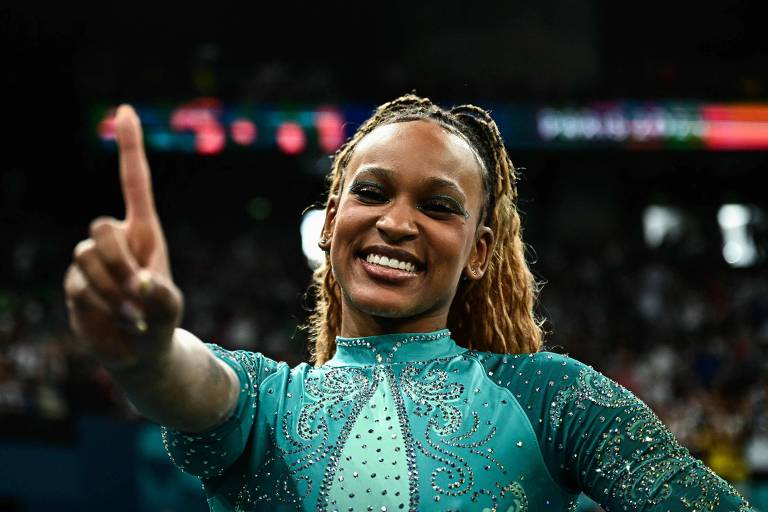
396	223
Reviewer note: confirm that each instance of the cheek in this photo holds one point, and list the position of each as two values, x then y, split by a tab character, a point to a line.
350	226
450	248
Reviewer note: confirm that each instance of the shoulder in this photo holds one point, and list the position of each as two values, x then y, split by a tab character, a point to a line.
256	365
534	365
557	377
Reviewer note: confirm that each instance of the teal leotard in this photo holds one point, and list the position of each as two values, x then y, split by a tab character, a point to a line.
416	422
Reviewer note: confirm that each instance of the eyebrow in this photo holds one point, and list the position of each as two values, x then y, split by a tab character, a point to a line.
433	181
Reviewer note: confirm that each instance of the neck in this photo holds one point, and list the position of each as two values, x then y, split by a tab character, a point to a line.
394	348
360	325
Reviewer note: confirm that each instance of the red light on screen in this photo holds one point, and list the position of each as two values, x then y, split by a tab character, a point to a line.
106	127
185	118
330	130
243	131
736	126
290	138
195	113
210	139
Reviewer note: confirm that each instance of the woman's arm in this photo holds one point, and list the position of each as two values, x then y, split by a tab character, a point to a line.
189	389
612	446
125	309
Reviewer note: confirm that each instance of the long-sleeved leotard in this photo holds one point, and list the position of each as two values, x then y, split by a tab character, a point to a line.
416	422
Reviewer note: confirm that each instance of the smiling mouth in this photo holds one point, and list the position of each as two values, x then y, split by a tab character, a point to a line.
389	269
384	261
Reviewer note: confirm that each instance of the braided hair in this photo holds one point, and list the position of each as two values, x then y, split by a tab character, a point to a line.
495	313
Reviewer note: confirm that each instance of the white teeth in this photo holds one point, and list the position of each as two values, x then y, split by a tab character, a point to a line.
390	262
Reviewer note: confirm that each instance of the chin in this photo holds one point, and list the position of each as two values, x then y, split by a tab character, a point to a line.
379	306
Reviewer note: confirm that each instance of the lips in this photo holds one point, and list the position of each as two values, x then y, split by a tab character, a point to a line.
388	275
392	253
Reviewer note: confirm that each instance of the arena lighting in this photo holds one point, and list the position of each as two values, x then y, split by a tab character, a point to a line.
330	130
311	226
661	223
201	117
738	245
290	138
162	141
736	127
645	124
106	127
206	126
199	125
195	114
243	132
210	138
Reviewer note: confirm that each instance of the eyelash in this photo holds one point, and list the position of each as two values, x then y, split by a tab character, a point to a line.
371	194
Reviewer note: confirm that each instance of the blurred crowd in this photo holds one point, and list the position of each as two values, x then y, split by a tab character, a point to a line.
691	342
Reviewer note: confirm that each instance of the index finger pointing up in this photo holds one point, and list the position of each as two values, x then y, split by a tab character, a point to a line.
134	169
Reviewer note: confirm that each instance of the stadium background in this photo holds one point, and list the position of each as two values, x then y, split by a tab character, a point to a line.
642	134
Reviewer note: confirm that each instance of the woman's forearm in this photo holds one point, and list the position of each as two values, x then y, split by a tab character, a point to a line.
189	389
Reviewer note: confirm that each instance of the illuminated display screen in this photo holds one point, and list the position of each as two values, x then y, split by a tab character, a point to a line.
657	126
206	126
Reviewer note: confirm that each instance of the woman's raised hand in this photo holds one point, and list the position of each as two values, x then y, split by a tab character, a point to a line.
123	304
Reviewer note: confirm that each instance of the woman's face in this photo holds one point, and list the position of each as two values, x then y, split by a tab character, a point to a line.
412	193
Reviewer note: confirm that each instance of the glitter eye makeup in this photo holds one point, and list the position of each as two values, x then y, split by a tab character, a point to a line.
444	205
370	192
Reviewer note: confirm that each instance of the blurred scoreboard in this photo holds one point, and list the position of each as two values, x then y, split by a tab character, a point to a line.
206	126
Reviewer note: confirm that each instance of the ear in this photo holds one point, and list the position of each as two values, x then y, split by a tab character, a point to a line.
480	257
330	218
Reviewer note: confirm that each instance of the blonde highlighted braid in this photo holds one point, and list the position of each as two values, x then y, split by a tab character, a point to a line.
495	313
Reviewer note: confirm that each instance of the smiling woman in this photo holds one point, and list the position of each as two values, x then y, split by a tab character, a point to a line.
440	186
407	198
430	389
422	233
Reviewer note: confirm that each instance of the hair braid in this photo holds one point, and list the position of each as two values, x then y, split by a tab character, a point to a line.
495	313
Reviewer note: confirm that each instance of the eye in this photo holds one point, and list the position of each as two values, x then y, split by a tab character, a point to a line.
369	193
442	207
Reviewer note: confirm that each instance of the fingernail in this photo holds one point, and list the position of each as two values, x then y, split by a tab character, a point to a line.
145	282
125	107
140	283
134	316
